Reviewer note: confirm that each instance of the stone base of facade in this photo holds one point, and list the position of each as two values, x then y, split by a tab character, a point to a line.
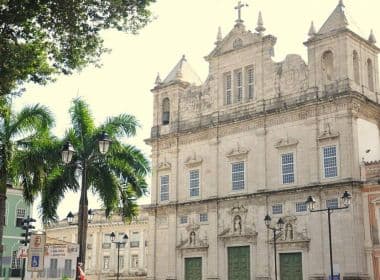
356	277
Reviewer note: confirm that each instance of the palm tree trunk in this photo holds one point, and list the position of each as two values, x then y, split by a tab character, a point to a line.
83	218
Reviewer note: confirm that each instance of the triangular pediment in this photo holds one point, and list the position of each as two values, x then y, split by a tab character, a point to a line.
337	20
236	39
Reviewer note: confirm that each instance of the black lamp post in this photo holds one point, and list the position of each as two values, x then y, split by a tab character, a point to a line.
278	228
81	163
118	244
346	199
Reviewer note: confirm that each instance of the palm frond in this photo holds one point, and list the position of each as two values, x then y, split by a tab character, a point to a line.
36	118
121	125
81	119
60	180
105	184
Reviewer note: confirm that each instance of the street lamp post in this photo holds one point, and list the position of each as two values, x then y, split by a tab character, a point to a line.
278	228
346	199
118	244
81	163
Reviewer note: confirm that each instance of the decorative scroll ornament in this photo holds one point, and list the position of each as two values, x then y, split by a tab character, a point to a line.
238	152
164	166
193	161
328	133
286	142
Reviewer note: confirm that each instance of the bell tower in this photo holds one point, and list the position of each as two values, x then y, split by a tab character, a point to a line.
339	56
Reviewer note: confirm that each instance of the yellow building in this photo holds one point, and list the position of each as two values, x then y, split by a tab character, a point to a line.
101	254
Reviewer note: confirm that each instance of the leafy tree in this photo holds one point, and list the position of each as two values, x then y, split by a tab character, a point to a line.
39	38
17	130
118	177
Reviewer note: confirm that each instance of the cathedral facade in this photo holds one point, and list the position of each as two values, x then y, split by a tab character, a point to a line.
257	138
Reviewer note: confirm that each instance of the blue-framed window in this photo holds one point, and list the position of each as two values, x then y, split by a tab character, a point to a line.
287	167
164	188
194	182
237	175
301	207
330	162
277	209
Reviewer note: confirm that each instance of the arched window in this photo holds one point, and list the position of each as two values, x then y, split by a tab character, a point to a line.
370	74
328	65
165	111
237	43
355	61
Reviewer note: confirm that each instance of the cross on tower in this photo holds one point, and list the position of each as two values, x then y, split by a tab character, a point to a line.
238	8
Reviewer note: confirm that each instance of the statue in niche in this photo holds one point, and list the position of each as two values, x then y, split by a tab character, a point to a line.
192	238
288	232
237	224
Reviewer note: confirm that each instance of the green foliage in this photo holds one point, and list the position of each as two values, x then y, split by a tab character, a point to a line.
44	37
117	177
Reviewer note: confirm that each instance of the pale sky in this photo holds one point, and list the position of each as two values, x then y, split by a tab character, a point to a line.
180	27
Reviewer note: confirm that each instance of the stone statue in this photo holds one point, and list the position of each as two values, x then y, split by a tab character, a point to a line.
237	224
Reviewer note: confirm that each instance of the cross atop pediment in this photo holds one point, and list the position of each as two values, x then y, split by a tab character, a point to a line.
239	6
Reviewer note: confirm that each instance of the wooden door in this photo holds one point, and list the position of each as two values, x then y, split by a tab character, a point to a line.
193	268
291	266
239	263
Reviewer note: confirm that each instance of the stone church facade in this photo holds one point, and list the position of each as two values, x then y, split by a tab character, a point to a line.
258	137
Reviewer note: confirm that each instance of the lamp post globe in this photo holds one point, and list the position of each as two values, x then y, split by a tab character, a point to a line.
310	203
267	220
67	152
70	217
346	198
104	143
280	223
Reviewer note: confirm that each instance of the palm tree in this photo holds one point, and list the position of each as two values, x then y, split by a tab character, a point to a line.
17	130
118	177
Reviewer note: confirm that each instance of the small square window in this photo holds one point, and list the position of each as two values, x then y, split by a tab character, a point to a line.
203	217
301	207
332	203
183	220
277	209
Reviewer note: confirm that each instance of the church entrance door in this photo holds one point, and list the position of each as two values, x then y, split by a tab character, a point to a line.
291	266
239	263
193	268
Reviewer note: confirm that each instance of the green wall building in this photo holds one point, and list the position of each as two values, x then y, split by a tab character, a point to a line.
16	211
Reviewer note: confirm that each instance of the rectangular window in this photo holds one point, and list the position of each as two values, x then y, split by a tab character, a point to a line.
68	267
135	239
134	261
164	188
106	241
329	162
194	183
277	209
250	84
183	220
287	167
20	216
203	217
238	85
106	262
228	88
53	273
301	207
332	203
237	175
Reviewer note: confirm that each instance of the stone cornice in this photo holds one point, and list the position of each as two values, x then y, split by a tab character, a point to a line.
262	193
350	103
